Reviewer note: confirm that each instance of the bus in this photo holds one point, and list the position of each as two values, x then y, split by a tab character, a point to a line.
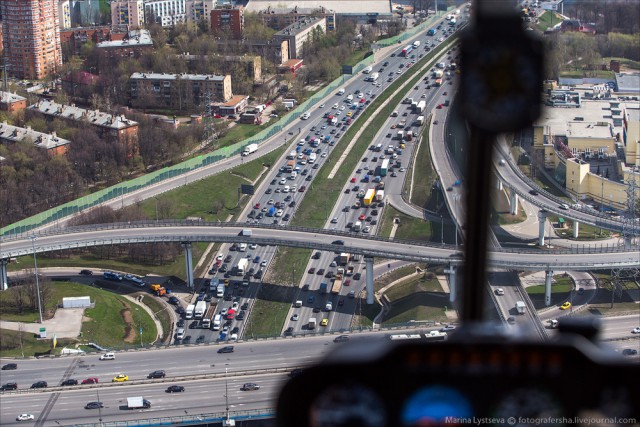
438	82
404	337
407	50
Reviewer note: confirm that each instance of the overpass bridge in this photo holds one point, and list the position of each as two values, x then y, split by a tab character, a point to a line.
186	232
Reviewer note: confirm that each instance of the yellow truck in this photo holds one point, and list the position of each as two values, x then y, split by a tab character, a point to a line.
368	197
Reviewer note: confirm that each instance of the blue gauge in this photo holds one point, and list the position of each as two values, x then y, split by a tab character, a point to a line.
436	405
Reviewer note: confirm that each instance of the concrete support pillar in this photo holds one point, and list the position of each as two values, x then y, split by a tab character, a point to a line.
542	220
628	242
369	279
4	281
499	185
576	225
188	259
513	202
451	274
548	275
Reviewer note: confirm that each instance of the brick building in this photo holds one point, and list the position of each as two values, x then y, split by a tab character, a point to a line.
178	91
298	33
31	37
228	20
114	128
133	45
50	142
11	102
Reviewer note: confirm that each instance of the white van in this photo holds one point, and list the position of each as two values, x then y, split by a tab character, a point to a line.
180	334
293	175
305	116
285	189
217	321
350	98
108	356
243	247
298	303
341	91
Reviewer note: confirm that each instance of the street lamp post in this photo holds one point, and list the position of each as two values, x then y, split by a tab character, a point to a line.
156	199
441	230
35	265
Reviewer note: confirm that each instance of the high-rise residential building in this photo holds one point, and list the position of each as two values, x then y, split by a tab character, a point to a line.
127	12
166	12
198	10
64	13
227	19
31	37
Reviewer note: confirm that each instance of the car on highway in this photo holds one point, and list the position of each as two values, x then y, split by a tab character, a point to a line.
533	192
120	378
447	328
90	380
499	291
25	417
226	349
320	272
86	272
250	386
565	305
39	384
310	299
9	367
69	382
324	322
174	389
635	330
157	374
295	317
341	338
629	352
312	270
94	405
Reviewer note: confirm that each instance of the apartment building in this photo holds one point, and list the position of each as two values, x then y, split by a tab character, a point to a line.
31	37
11	102
228	20
280	17
114	128
127	12
298	33
53	144
178	91
166	12
64	13
199	10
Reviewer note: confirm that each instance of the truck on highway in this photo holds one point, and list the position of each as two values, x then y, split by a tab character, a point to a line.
251	148
343	258
337	282
521	307
380	195
416	44
213	284
189	311
384	167
421	106
349	271
217	322
208	316
323	288
271	211
367	70
437	74
291	164
312	158
369	195
420	120
138	403
357	226
312	323
242	266
201	308
373	77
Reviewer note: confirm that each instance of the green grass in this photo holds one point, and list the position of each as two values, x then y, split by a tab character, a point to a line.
396	274
267	318
291	266
356	56
418	298
410	228
548	19
578	74
240	132
114	321
424	176
161	312
629	64
560	284
25	344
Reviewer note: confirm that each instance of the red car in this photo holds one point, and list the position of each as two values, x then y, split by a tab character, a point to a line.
230	314
439	107
90	380
361	217
347	282
362	101
301	189
353	179
257	206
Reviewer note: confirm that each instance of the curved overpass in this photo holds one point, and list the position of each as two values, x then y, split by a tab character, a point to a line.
319	239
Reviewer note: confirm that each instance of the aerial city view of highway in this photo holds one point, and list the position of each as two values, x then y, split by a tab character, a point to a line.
212	245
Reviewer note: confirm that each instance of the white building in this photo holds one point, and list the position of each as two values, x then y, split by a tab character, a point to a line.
198	10
166	12
64	14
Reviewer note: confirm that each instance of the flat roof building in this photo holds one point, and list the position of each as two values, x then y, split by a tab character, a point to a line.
127	12
358	10
178	91
298	33
228	20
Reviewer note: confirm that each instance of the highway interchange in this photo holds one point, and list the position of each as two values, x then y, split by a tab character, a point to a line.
281	353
